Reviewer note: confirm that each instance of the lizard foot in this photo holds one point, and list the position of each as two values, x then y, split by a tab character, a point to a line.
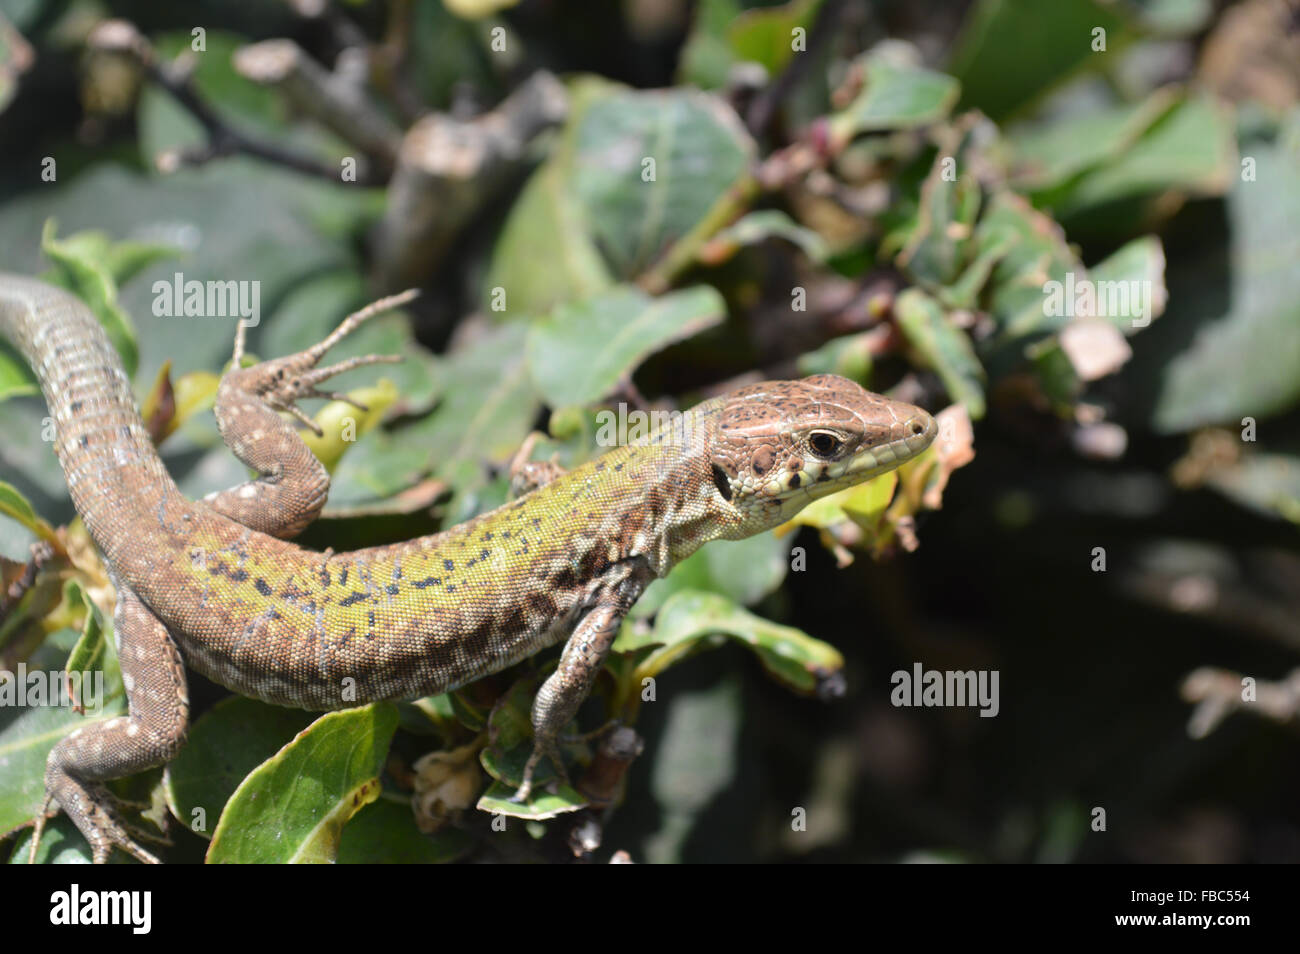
94	810
541	749
281	382
593	734
552	751
527	475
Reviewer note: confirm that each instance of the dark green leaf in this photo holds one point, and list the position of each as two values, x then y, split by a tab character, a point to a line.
581	352
293	807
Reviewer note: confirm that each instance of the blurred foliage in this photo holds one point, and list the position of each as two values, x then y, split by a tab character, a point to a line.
941	201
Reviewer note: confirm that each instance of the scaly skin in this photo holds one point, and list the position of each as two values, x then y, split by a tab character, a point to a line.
218	581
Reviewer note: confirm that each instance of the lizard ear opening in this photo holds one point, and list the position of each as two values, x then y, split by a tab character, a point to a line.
720	481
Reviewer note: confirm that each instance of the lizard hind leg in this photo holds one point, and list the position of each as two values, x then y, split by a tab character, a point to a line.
292	485
150	735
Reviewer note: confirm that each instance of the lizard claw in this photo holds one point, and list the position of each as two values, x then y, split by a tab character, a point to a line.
94	810
281	382
541	750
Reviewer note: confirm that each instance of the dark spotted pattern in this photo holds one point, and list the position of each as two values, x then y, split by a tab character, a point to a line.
220	580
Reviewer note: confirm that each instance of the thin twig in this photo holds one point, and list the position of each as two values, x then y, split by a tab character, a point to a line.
331	98
763	107
120	36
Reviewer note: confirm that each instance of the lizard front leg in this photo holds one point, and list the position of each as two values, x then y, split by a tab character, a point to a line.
565	690
149	736
292	485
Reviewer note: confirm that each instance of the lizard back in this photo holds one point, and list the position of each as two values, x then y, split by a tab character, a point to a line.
292	626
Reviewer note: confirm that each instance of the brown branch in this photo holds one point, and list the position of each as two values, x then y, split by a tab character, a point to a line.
447	169
336	100
120	36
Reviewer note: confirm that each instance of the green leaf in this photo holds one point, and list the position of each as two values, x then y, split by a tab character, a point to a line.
488	407
707	56
61	844
943	346
88	653
240	220
1031	251
744	571
1191	147
1141	260
1230	346
1056	373
121	260
694	770
648	166
26	737
82	267
689	617
1170	18
1011	52
766	35
894	97
1129	291
378	467
541	805
849	356
16	379
28	733
755	227
225	744
1048	156
963	293
581	352
446	51
384	832
937	249
293	807
15	506
544	255
1266	483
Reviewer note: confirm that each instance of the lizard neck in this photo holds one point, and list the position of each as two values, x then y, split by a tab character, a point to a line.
678	507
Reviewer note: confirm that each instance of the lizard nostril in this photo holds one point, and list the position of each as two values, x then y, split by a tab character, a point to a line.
918	427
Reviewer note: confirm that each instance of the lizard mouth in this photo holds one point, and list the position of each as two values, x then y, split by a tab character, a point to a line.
906	440
815	479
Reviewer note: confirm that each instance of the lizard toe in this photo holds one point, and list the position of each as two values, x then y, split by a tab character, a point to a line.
94	810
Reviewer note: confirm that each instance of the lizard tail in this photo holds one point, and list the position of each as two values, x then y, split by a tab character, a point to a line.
108	458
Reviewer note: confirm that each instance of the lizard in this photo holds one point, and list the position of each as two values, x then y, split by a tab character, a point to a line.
219	584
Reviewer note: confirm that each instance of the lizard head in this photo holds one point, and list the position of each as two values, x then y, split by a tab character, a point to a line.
779	445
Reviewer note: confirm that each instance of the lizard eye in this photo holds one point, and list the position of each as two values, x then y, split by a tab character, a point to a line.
825	444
